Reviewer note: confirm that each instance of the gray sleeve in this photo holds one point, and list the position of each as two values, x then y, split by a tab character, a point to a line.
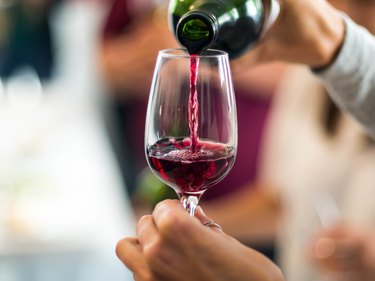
350	80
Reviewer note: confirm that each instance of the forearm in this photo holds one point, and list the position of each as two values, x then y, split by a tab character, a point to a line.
327	33
125	68
128	60
350	79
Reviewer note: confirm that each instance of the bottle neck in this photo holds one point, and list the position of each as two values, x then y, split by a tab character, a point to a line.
197	31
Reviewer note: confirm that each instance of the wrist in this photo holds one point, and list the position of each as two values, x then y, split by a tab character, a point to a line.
330	41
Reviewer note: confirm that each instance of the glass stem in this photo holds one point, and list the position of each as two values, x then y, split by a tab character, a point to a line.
190	203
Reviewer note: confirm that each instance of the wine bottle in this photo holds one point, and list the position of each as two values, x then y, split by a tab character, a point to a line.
232	26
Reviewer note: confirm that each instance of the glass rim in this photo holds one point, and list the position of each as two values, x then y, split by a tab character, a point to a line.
213	53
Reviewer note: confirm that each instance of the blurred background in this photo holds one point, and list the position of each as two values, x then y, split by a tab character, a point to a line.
74	83
63	201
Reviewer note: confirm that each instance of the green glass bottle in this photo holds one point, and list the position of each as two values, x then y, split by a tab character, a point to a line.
229	25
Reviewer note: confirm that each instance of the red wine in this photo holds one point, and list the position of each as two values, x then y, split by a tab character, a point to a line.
193	102
186	171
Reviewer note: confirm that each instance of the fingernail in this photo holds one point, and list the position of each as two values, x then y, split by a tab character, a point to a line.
325	248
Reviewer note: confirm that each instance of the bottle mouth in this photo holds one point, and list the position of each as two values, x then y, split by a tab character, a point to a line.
197	31
181	53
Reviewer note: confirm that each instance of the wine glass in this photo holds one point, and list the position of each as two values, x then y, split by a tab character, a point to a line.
191	123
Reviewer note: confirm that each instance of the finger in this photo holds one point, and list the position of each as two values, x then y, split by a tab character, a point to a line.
333	254
347	254
347	247
169	214
169	209
172	220
206	221
343	276
324	248
147	232
129	251
201	215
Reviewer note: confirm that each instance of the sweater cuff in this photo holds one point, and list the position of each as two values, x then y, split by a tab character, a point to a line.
343	64
346	76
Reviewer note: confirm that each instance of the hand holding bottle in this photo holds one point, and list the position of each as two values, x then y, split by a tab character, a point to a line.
306	32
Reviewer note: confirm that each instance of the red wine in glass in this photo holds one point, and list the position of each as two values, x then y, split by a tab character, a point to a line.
190	172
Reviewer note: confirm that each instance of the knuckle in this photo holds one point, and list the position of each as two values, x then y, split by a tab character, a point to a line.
142	221
278	275
144	276
170	224
159	255
165	204
144	218
153	251
120	246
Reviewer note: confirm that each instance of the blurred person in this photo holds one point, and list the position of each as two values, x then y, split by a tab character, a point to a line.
128	55
27	38
345	251
314	155
325	22
315	159
337	50
133	34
